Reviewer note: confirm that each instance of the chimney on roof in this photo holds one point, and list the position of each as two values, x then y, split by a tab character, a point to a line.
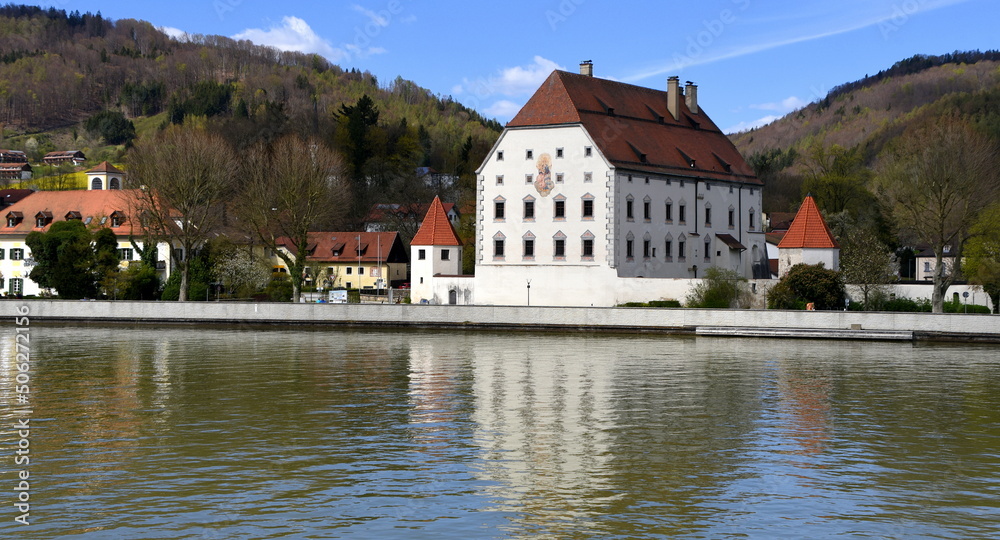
691	96
587	68
674	97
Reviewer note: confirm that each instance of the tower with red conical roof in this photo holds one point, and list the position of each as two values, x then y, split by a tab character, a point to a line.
808	241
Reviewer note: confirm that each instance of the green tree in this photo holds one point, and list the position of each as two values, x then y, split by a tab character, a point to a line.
838	179
867	263
112	126
807	283
71	259
720	288
293	186
936	179
982	265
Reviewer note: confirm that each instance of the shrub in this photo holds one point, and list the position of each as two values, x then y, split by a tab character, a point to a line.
805	283
720	289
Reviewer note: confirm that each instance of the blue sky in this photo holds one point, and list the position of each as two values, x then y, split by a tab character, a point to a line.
753	60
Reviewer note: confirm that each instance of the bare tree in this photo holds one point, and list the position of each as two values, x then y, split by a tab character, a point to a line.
936	179
293	186
184	176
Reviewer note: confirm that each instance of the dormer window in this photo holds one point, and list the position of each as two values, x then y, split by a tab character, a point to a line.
13	218
43	218
337	250
117	218
73	214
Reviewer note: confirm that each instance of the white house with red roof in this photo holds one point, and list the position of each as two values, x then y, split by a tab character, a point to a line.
115	210
353	260
600	192
808	241
436	261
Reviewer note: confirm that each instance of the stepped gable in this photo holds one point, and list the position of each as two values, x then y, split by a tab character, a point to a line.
436	229
808	229
633	128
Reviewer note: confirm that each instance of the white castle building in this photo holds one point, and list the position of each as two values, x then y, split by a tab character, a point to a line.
600	192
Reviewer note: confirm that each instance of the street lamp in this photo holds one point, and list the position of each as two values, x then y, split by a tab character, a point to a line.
529	292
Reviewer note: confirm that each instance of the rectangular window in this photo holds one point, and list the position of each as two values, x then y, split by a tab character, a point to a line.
529	249
559	178
708	217
682	214
670	212
588	177
498	210
529	154
588	248
348	284
349	270
498	248
646	210
750	220
528	179
681	246
445	254
361	270
422	254
630	178
2	252
16	286
559	153
499	179
647	179
16	254
560	210
529	210
629	250
560	249
500	155
669	246
588	151
732	219
588	209
645	248
628	210
125	254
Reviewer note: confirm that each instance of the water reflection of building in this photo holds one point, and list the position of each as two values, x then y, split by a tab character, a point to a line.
545	426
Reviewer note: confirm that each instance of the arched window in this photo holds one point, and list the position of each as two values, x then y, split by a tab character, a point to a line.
114	183
96	184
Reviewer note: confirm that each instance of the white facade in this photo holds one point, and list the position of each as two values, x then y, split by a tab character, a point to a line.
600	233
427	264
789	257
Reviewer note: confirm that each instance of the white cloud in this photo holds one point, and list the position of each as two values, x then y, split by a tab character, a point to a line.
294	34
511	81
372	16
503	109
745	126
175	33
784	106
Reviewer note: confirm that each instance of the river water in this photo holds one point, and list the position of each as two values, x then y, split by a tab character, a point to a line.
262	433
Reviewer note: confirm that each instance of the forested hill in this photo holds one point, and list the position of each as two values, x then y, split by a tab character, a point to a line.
859	119
57	69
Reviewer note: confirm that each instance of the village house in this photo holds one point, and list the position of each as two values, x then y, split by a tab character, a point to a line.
75	157
600	192
15	171
38	211
13	156
350	260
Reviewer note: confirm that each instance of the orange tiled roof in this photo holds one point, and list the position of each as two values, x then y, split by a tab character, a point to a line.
91	205
808	229
633	128
436	229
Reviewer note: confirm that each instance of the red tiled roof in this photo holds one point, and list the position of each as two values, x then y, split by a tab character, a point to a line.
808	229
436	229
634	130
375	246
105	167
95	205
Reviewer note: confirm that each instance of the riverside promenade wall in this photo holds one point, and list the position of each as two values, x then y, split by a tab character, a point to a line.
762	323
